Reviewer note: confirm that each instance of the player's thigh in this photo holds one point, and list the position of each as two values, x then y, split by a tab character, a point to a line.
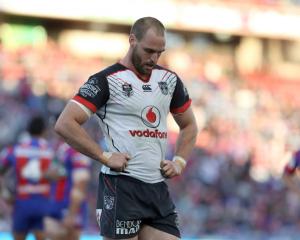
150	233
54	229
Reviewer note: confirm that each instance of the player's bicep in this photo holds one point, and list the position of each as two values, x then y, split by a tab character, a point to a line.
185	119
72	112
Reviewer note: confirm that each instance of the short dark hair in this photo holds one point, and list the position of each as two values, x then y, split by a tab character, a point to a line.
141	26
36	125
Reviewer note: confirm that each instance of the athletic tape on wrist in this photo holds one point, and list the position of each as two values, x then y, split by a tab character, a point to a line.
180	160
106	156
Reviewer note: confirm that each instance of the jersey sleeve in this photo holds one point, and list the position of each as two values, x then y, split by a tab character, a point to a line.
94	93
180	101
293	163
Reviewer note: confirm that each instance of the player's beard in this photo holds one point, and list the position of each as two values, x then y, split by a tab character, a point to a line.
137	63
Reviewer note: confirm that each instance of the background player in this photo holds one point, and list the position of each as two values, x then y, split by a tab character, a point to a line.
30	159
68	212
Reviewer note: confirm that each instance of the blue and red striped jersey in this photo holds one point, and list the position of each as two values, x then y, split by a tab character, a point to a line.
30	159
73	163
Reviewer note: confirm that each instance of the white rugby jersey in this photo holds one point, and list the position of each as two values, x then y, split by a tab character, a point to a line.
133	115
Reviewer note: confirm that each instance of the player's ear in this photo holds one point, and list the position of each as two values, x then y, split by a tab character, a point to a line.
132	40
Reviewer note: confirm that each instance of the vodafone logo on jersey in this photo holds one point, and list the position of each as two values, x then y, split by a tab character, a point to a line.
148	133
151	116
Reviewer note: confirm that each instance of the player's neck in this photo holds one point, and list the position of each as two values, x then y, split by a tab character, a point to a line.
127	63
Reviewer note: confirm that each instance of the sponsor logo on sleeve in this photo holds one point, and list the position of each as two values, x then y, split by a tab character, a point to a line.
90	88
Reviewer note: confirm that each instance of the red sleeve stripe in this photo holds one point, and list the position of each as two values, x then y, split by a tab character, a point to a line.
86	103
182	108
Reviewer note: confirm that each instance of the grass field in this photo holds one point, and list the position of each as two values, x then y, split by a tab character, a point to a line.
8	236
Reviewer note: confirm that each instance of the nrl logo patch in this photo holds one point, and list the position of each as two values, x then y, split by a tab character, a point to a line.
127	89
163	88
109	202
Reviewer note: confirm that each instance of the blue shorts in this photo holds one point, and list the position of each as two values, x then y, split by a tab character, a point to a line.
58	211
28	214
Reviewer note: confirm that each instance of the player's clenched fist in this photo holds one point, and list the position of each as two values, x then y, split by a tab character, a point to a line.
116	161
172	168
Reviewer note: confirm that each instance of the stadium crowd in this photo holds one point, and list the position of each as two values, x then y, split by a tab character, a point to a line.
232	183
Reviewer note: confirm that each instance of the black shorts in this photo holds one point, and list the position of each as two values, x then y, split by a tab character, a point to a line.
128	203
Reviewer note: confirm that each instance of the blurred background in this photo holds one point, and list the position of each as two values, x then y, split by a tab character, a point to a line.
240	61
